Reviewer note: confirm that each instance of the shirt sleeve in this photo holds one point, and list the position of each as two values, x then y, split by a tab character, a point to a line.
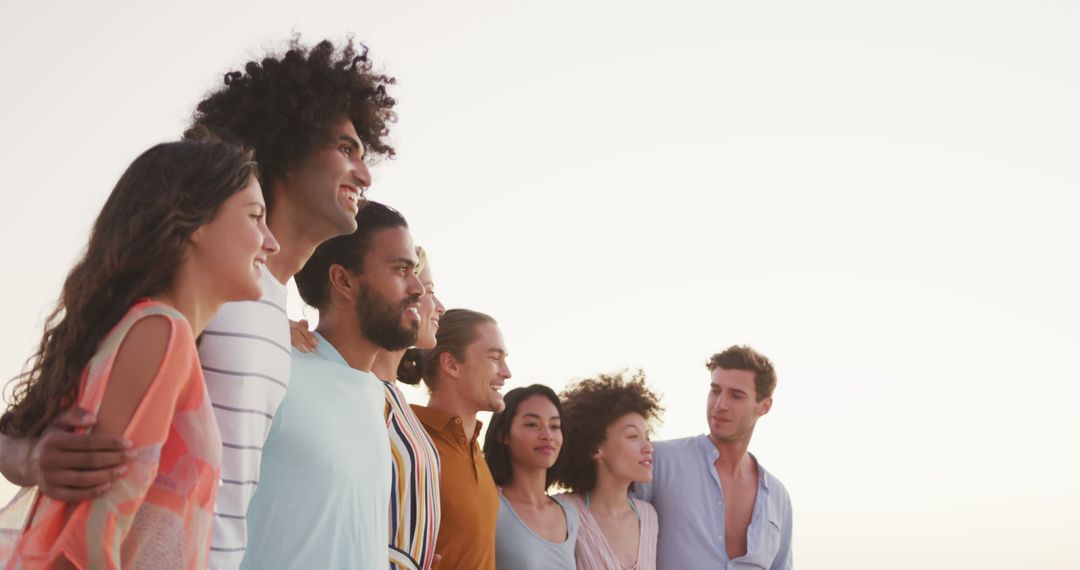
783	554
91	534
642	491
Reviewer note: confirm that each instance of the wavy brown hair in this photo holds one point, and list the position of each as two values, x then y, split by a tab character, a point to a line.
589	407
745	358
137	245
284	107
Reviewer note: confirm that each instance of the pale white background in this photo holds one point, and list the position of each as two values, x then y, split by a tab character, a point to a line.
879	195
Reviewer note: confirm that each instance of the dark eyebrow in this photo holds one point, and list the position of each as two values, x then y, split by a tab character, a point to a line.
404	260
355	143
537	416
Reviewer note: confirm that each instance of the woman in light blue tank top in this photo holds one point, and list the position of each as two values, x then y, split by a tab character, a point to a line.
534	531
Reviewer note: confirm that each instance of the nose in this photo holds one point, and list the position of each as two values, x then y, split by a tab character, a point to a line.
648	446
415	286
439	307
504	370
270	244
361	174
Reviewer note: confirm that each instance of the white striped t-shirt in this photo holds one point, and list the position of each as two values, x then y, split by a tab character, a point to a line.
245	358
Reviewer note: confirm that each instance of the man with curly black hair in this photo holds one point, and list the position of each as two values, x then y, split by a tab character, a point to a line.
314	117
718	506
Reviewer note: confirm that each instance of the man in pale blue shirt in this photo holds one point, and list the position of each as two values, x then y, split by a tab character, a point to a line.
718	507
323	493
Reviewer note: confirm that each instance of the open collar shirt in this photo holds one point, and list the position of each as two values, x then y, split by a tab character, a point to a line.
689	501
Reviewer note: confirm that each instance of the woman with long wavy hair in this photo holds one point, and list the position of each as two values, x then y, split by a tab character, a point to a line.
182	233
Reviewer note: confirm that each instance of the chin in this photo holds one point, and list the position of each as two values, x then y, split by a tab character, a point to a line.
252	292
347	224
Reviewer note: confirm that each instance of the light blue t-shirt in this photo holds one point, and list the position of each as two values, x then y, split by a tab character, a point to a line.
324	485
686	493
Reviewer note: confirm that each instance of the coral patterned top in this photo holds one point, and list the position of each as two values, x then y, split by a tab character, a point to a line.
160	513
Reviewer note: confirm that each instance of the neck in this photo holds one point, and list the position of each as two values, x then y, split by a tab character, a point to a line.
297	241
734	455
386	364
447	402
527	484
609	496
341	329
195	298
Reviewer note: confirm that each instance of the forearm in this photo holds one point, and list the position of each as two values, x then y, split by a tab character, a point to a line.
14	460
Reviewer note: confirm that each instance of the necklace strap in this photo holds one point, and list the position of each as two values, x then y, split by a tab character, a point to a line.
629	501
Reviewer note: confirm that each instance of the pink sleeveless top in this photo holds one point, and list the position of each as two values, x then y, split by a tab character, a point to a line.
158	515
592	551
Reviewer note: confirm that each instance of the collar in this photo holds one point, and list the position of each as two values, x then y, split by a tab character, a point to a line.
326	351
441	421
712	454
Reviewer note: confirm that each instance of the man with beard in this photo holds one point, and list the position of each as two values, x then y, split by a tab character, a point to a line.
324	484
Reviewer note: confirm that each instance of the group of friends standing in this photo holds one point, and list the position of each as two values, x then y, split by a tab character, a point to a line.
172	416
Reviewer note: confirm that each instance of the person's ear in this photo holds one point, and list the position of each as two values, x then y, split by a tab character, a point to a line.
766	405
449	365
342	281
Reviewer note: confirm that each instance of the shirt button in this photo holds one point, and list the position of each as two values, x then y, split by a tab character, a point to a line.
457	420
461	440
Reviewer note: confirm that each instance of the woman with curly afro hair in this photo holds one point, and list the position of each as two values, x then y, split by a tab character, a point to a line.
606	425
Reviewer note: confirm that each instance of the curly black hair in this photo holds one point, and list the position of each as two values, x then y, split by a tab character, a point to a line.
283	108
589	407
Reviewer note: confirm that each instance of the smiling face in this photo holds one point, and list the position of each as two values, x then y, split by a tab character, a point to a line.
431	309
483	372
389	291
535	433
325	189
626	454
732	405
234	245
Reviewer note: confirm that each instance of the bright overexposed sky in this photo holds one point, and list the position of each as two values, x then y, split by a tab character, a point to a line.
881	196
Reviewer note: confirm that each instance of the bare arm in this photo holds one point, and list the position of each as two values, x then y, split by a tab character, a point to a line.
65	465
